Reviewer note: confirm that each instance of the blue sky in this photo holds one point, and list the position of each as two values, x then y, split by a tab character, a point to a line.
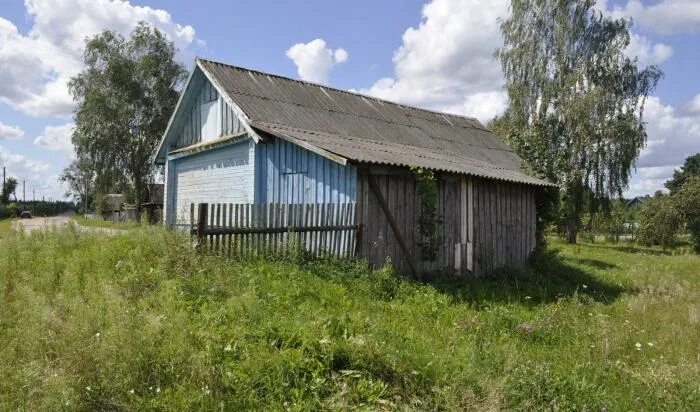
431	53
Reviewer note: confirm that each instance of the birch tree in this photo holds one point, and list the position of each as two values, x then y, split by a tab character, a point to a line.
576	99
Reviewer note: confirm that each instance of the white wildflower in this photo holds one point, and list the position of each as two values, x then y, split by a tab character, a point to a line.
97	335
88	388
527	298
585	286
638	346
158	389
228	348
650	344
131	391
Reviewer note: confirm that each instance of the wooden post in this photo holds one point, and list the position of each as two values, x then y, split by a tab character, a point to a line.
201	224
393	224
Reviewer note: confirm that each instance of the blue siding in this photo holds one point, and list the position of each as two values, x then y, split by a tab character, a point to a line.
189	125
219	175
287	173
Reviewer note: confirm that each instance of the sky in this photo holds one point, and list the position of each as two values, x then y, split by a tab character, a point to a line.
436	54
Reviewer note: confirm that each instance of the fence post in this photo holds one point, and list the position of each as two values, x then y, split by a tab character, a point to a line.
201	224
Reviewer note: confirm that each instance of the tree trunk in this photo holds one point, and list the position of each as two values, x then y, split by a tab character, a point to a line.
570	229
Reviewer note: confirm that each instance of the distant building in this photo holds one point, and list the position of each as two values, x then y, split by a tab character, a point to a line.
636	202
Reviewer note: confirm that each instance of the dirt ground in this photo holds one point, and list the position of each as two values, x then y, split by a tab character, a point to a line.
39	223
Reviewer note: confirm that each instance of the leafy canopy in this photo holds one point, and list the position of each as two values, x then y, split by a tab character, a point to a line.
124	96
9	188
690	168
576	99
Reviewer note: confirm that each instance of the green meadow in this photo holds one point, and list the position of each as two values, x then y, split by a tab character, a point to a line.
140	321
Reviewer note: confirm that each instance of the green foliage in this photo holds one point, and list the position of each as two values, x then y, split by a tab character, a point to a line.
12	210
429	221
8	189
690	169
659	221
125	96
687	202
611	222
576	99
142	322
80	179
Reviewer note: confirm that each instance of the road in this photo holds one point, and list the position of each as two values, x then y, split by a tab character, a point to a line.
38	223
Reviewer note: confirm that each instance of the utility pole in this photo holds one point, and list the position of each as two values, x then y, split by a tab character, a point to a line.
3	181
24	191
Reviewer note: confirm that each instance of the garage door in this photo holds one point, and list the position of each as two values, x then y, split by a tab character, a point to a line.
223	175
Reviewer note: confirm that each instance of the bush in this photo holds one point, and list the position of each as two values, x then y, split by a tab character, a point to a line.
687	201
659	222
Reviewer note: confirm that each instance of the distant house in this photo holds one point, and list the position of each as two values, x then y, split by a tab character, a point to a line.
243	136
636	202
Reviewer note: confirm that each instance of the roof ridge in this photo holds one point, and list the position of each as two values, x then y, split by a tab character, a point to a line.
342	91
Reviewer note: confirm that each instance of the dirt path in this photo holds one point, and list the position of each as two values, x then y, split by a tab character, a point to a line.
38	223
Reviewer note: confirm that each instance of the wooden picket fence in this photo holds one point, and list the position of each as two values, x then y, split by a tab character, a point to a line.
247	230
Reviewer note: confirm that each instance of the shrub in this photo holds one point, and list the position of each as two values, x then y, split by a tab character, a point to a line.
659	222
687	202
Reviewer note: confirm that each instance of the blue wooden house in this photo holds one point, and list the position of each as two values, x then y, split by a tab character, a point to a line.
243	136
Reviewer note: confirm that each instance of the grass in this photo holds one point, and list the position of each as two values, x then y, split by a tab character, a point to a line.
82	221
141	322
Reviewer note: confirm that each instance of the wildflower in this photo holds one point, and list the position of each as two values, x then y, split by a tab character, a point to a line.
228	348
638	346
97	335
87	388
585	286
527	298
131	391
158	389
650	344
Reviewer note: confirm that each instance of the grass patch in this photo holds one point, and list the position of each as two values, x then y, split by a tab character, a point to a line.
139	321
82	221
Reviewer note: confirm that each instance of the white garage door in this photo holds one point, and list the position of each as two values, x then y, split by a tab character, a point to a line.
223	175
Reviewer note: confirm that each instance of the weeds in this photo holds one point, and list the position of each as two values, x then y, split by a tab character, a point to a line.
141	321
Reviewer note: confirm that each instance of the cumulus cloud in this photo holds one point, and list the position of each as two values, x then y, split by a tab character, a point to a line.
10	132
56	138
646	51
314	60
663	17
24	168
36	66
673	135
447	63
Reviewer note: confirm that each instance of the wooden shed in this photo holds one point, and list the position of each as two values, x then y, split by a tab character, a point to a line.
240	136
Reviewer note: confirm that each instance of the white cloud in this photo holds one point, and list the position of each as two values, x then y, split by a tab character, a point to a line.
57	138
34	173
646	51
35	67
314	60
10	132
673	135
664	17
447	62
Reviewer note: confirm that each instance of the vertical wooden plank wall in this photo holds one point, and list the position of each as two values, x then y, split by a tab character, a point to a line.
504	225
288	173
189	126
502	232
399	190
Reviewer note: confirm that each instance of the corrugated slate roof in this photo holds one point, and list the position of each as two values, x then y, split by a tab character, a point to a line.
366	129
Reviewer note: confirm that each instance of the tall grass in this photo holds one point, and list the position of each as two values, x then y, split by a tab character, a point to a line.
140	321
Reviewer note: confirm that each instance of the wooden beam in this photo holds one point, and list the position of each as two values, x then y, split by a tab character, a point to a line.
393	224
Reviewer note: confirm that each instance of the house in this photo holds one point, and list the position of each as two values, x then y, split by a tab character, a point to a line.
637	202
243	136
